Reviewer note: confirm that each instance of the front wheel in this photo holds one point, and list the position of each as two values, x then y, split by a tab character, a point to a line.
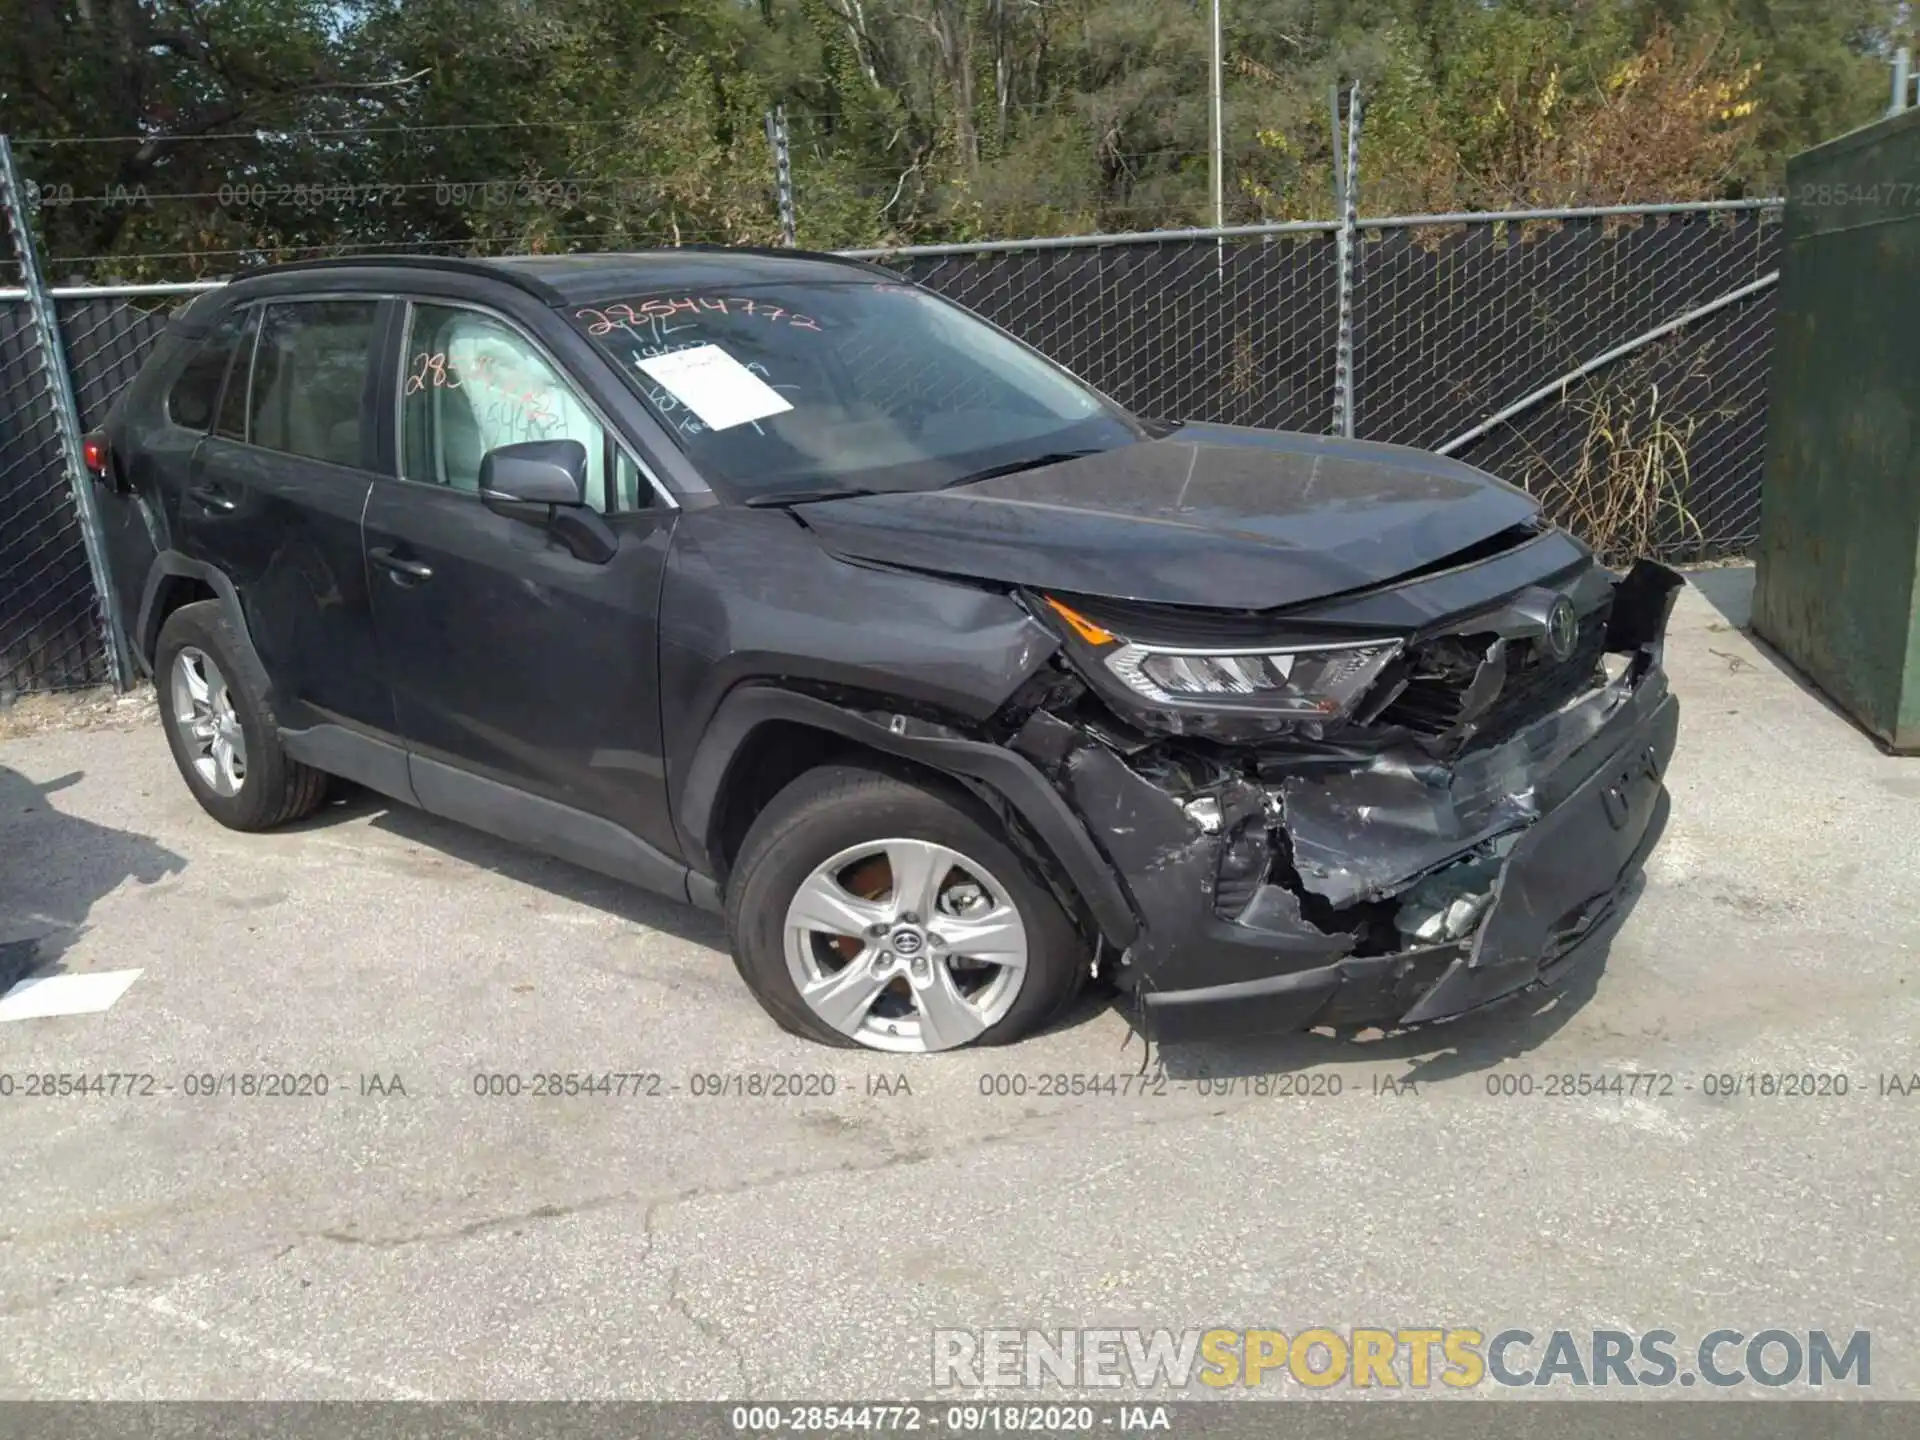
868	910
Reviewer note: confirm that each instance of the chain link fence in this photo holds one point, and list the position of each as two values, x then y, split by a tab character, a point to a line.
49	616
1657	452
107	340
1236	331
1613	363
54	629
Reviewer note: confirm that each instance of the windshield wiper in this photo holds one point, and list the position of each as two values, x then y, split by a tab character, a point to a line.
1014	467
800	497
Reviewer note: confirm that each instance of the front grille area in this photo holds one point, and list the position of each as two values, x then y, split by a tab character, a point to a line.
1535	685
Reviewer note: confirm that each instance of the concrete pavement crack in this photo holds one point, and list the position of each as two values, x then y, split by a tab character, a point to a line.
678	1302
481	1227
279	1247
711	1329
654	1201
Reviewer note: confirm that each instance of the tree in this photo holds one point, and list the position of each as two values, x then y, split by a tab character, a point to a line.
241	130
188	85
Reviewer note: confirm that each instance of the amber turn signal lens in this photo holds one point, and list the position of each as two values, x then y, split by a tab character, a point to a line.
1083	627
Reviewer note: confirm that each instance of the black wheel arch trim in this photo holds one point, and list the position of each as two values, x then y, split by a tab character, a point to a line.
1011	777
172	565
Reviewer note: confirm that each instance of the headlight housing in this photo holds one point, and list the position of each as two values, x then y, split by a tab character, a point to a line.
1311	682
1319	682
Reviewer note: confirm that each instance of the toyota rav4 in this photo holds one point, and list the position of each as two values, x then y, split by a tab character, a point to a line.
775	584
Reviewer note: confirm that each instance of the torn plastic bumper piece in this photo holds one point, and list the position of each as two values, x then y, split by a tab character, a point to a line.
1170	862
1556	902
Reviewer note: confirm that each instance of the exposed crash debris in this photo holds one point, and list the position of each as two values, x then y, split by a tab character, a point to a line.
1377	854
1367	833
1642	601
1448	904
1175	862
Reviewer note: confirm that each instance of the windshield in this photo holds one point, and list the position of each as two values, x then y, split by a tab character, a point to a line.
845	385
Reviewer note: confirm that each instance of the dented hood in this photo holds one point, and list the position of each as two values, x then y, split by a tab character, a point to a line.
1212	515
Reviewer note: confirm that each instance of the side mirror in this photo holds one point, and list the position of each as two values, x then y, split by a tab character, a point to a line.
534	472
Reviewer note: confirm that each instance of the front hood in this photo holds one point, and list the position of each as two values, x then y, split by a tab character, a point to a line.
1213	515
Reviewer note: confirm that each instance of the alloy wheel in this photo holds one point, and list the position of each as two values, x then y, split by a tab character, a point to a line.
905	945
203	710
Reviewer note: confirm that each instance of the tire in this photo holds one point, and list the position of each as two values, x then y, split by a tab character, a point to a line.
269	787
837	821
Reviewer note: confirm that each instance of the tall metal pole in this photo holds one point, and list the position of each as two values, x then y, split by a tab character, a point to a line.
66	413
782	171
1339	150
1346	190
1218	167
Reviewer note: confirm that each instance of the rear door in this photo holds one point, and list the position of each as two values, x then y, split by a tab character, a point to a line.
152	435
522	672
276	497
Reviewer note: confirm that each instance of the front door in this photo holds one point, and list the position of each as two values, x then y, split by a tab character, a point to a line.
525	678
274	499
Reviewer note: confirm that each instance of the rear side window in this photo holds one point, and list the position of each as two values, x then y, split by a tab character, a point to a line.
190	403
309	377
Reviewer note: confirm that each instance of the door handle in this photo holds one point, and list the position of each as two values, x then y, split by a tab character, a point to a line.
211	497
400	566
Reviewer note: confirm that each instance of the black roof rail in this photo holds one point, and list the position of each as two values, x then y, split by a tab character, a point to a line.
460	265
771	252
502	267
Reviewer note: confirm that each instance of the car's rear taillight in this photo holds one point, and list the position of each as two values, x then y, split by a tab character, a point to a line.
93	451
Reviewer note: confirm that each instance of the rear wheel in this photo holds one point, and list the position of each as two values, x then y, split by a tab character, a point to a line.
869	910
218	715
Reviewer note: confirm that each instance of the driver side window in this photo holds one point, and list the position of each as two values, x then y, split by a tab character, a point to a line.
471	384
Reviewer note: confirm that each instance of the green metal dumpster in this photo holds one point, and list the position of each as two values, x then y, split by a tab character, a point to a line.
1839	560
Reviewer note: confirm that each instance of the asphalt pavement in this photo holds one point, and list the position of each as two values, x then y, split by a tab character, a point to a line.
758	1217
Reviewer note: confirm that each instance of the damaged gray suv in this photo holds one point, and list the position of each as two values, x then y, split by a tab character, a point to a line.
774	584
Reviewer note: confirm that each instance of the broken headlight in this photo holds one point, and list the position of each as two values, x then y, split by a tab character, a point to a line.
1312	681
1315	683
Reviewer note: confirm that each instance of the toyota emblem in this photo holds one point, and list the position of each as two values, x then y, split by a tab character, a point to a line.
906	942
1563	629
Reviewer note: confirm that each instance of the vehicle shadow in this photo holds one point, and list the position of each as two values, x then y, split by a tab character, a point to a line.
560	878
56	868
1505	1030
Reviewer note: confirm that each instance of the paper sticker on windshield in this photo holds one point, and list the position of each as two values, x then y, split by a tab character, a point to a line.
714	386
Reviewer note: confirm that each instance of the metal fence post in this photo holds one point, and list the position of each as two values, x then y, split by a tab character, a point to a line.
1346	176
53	362
782	171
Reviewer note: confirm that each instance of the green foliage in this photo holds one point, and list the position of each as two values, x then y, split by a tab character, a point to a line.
253	130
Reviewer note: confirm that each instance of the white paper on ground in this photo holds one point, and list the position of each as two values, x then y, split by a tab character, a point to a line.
717	388
65	995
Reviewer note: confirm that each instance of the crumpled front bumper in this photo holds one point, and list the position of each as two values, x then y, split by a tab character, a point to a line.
1556	902
1562	816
